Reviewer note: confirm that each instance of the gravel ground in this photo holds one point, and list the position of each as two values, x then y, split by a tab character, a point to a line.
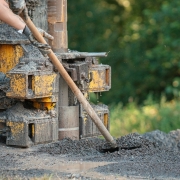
132	144
154	155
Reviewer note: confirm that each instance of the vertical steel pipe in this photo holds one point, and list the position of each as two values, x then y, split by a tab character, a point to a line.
57	24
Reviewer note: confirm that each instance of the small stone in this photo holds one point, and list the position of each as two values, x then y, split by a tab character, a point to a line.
75	176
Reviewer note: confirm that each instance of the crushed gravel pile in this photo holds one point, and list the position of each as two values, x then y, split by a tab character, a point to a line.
163	165
153	155
75	147
157	156
170	140
130	145
131	141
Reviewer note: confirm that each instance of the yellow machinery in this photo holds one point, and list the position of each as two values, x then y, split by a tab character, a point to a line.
36	105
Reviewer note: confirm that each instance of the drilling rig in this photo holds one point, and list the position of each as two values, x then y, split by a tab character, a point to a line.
36	104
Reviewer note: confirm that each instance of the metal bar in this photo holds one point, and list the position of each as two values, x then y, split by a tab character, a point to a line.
95	54
83	54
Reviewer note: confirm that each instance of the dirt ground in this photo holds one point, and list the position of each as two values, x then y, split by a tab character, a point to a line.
154	155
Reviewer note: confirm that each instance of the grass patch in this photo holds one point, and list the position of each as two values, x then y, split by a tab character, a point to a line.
164	116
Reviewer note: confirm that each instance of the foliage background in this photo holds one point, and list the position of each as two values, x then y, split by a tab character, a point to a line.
143	38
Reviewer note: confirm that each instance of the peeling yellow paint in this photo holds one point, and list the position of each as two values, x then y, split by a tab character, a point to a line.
100	79
9	56
106	120
33	130
97	82
44	105
43	84
17	85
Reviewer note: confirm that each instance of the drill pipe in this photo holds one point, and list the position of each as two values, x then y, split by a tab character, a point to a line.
73	86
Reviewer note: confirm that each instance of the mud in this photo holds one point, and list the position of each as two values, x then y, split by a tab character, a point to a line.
31	51
10	35
154	155
31	66
4	101
18	112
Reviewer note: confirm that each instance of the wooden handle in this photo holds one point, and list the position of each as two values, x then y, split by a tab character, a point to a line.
73	86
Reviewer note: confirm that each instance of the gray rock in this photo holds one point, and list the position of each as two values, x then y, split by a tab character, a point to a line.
161	139
175	135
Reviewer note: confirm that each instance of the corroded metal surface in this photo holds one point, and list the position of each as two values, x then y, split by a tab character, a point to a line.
42	84
29	126
27	86
63	93
101	78
32	52
4	84
38	14
9	56
6	102
31	5
17	86
33	79
47	103
79	72
88	128
78	55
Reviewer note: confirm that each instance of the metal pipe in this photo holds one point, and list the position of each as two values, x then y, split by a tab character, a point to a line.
57	25
83	54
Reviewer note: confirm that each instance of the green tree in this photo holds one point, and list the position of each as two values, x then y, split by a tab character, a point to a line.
143	40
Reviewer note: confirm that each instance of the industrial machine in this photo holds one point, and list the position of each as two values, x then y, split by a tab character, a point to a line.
36	104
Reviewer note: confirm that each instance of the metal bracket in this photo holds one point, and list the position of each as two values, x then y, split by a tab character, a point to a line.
73	73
